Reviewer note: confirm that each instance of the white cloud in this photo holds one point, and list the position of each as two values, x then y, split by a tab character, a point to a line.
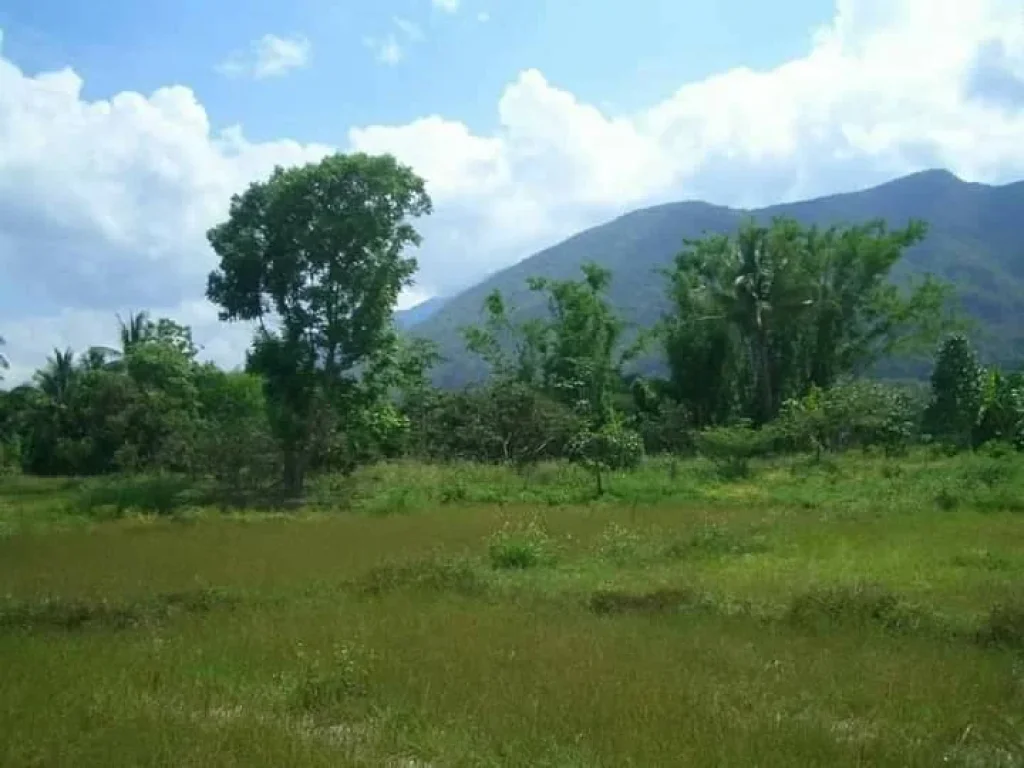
410	29
448	6
104	204
385	50
269	56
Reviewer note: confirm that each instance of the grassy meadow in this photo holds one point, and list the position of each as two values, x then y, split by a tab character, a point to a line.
850	611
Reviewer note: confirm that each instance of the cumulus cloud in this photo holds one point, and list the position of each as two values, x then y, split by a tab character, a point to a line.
448	6
386	50
104	204
269	56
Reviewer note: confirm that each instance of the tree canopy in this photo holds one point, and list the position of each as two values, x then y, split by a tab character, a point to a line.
772	334
316	255
763	316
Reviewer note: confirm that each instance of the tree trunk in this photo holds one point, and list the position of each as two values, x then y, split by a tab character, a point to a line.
766	400
294	472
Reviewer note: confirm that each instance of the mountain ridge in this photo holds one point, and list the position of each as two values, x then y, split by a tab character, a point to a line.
975	239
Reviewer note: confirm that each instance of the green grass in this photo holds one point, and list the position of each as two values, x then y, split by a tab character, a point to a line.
858	611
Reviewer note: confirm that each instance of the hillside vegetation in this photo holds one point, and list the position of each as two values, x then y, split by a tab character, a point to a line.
758	556
973	241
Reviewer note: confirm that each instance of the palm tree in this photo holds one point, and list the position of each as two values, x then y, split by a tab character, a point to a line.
96	358
135	331
57	377
748	286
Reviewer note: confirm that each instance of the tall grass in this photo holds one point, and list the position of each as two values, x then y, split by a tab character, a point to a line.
855	612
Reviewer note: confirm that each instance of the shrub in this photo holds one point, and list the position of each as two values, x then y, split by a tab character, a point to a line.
1002	409
517	547
731	448
851	414
503	422
610	448
159	493
666	428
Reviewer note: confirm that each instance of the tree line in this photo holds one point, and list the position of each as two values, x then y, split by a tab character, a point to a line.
768	343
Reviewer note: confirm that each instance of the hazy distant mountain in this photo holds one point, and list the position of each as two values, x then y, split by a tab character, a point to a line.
408	319
975	239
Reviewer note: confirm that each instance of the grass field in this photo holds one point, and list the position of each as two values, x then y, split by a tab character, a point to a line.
858	611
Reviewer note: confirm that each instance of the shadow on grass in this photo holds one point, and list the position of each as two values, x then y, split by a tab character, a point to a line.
618	602
73	615
858	606
440	575
1004	627
843	608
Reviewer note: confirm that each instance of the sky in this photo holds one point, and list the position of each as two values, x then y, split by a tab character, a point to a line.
125	127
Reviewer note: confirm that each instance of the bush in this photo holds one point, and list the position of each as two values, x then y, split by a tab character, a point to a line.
731	448
667	428
504	422
610	448
1002	410
242	458
518	547
852	414
159	493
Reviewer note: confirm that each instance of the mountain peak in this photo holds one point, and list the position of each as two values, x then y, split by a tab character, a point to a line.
931	174
973	241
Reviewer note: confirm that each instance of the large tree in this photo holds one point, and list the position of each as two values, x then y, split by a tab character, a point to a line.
760	317
316	256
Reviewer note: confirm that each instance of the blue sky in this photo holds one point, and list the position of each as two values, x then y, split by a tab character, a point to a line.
621	55
125	126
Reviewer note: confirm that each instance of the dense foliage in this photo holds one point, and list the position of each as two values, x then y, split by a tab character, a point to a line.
973	242
767	340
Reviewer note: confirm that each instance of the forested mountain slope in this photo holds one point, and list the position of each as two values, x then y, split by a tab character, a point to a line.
975	239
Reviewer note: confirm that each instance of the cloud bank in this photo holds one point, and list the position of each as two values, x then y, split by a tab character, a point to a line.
104	204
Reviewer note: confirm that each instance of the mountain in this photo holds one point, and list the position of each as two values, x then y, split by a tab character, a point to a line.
975	240
407	319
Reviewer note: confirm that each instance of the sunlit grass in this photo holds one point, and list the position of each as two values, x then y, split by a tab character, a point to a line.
859	611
